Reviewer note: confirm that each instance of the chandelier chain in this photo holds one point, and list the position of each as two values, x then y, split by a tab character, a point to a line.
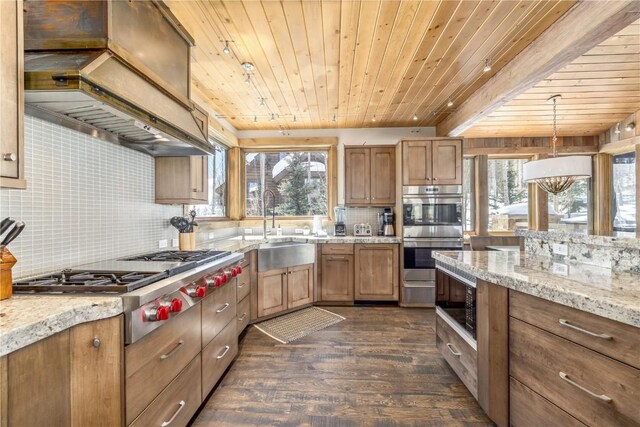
555	133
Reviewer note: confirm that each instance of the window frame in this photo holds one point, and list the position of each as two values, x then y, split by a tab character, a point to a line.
226	217
472	203
331	151
509	156
612	191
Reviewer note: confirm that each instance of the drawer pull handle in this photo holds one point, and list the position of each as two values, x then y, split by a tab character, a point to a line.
223	308
240	285
453	350
602	397
175	414
333	258
224	353
172	352
240	319
566	323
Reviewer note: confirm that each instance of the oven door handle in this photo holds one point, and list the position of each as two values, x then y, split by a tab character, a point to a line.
433	243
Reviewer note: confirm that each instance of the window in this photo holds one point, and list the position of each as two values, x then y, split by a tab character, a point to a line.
569	210
298	180
468	193
508	197
624	192
217	206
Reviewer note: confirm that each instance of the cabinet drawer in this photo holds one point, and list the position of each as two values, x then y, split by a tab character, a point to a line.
593	388
605	336
528	408
217	356
462	358
244	313
218	309
337	249
177	403
243	286
154	361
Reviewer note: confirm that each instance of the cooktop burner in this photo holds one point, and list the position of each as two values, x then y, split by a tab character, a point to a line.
70	281
180	256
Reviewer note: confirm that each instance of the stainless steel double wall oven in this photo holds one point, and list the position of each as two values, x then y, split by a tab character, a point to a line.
432	220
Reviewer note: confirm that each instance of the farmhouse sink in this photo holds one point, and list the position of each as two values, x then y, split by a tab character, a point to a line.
276	255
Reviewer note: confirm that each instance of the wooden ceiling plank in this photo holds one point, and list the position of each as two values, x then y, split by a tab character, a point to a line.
349	21
607	59
539	17
610	66
331	17
366	26
385	22
312	11
583	27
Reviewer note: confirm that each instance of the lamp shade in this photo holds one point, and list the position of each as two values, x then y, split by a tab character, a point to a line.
569	166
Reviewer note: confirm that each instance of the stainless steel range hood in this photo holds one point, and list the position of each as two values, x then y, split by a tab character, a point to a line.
119	67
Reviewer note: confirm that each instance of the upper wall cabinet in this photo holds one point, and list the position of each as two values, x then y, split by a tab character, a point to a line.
182	180
370	176
432	162
11	100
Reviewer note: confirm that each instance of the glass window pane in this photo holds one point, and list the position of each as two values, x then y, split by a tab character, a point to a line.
508	197
569	210
298	180
217	206
624	192
468	193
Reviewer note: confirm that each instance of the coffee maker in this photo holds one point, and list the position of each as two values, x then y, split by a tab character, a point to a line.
340	229
388	222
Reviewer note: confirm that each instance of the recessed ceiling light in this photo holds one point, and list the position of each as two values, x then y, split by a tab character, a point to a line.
487	65
450	103
415	117
248	66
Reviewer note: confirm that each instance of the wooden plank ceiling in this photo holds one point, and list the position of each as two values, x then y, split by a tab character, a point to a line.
353	59
599	89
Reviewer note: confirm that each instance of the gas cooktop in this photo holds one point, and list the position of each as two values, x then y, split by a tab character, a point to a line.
180	256
70	281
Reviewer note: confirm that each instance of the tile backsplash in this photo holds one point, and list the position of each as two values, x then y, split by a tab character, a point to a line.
362	216
86	200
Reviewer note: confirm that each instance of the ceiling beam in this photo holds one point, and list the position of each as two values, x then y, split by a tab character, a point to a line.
584	26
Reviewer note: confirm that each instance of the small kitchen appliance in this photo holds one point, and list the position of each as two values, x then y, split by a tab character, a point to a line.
362	230
381	223
388	222
340	228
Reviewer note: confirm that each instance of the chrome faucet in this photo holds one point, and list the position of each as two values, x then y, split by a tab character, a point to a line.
264	212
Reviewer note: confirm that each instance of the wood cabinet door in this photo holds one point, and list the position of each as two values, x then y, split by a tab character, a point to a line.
383	176
447	162
376	272
199	171
416	163
272	291
357	175
299	285
11	101
337	278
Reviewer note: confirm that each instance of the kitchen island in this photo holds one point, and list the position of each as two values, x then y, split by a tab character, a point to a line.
545	341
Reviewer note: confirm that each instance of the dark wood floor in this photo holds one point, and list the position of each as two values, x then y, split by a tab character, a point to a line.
379	367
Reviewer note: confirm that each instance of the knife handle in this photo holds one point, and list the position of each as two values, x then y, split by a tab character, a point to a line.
15	232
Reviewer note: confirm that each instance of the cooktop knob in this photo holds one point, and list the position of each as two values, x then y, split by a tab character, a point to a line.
162	313
176	305
223	276
234	272
239	268
201	291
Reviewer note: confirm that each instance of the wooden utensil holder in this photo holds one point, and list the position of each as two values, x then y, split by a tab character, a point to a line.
187	241
7	261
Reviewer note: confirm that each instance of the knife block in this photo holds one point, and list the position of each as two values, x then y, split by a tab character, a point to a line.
187	241
7	261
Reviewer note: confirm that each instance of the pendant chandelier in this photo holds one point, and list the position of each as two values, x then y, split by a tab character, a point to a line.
556	174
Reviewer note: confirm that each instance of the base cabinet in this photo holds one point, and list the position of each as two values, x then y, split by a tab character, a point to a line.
376	272
284	288
58	380
337	278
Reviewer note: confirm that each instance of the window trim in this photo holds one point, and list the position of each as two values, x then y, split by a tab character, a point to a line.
332	177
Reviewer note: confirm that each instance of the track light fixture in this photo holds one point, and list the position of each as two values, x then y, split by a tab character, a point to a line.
487	65
415	117
334	118
373	119
295	119
450	103
248	79
617	130
226	49
273	117
255	119
631	126
248	66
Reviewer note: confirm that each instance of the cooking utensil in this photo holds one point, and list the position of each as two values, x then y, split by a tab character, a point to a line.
5	224
11	235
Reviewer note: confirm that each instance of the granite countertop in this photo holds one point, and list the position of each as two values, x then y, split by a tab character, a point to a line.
249	243
26	319
601	291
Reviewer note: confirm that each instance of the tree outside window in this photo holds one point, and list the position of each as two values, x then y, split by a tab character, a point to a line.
508	197
217	181
624	192
298	179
